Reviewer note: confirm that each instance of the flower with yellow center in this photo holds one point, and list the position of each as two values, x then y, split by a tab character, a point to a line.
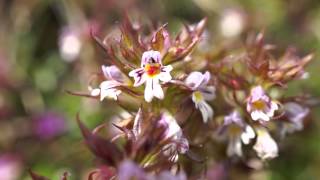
260	106
197	82
151	72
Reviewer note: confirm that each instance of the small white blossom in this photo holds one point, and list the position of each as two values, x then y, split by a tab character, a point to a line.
69	44
108	88
265	145
151	72
198	82
260	106
232	23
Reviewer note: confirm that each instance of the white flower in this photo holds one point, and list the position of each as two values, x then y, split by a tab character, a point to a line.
232	23
69	44
197	82
173	132
151	72
260	106
238	131
265	146
108	88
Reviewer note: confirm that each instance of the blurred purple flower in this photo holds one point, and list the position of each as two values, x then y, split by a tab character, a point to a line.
10	167
218	171
295	113
129	170
49	125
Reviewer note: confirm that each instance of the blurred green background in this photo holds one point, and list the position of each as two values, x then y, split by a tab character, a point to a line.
45	49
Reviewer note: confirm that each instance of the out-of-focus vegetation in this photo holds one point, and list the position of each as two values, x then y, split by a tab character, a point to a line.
46	49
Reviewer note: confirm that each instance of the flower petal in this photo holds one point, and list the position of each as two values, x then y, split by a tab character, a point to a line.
247	135
234	117
183	146
167	68
109	84
273	107
109	93
265	145
165	76
149	56
206	78
157	90
234	147
95	92
259	115
148	91
194	79
257	93
206	111
139	76
112	72
295	114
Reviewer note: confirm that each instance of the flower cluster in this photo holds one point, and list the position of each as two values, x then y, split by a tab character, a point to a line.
186	100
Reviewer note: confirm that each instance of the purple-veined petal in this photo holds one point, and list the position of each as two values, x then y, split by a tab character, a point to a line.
139	76
112	72
150	56
183	146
